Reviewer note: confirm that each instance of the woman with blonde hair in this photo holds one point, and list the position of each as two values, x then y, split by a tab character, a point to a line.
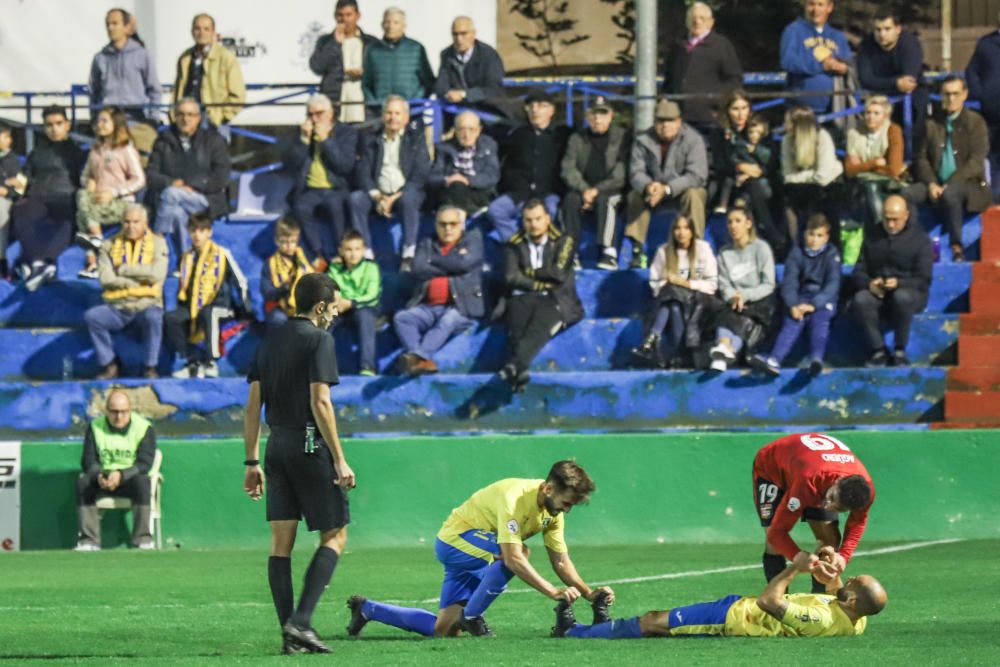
874	161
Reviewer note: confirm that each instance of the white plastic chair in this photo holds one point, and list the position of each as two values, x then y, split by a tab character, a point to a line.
106	502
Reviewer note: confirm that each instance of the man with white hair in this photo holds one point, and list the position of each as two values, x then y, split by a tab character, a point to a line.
466	167
396	64
471	72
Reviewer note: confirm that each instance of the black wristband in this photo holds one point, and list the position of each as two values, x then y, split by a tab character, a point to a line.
252	462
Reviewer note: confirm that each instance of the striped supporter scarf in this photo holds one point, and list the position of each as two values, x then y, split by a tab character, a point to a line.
203	274
287	271
135	253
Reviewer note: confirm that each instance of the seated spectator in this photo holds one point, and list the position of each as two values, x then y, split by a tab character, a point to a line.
360	282
391	173
131	266
448	298
593	170
983	77
466	167
815	55
746	285
212	288
111	178
809	167
875	157
123	74
471	72
119	449
541	297
529	166
892	278
669	166
809	290
891	62
210	74
188	172
43	219
396	64
322	160
10	167
950	171
750	157
280	273
683	278
702	63
339	59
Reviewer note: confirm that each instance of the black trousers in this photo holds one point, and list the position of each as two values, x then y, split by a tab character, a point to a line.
177	324
467	198
897	308
43	226
532	320
604	210
804	199
138	490
952	205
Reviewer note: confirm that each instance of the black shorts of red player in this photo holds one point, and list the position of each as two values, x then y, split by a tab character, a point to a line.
768	497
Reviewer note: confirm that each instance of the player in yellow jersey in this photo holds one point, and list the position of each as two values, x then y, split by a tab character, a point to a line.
481	546
842	612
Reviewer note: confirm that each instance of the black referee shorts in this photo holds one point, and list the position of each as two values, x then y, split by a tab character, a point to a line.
301	485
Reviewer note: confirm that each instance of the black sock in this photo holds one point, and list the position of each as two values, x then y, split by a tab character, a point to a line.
818	587
279	575
774	564
317	578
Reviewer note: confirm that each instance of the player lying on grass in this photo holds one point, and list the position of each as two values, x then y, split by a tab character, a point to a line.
842	612
481	546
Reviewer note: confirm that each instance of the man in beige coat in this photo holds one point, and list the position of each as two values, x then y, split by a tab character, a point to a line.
210	73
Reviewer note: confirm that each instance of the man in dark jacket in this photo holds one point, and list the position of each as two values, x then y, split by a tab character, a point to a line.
893	277
983	75
705	63
339	58
593	170
449	296
950	169
467	167
396	64
392	170
541	290
188	171
471	72
322	161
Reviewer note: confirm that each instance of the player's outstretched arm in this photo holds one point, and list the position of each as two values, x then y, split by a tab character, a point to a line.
326	422
253	478
514	558
772	598
563	566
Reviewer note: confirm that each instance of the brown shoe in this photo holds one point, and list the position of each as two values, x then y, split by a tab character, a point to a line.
110	372
406	363
424	367
150	373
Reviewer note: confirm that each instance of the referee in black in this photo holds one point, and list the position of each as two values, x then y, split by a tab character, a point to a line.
307	474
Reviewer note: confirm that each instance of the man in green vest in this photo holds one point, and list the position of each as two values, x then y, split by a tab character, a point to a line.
118	451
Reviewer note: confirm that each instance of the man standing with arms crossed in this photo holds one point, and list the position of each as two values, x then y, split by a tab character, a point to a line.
307	473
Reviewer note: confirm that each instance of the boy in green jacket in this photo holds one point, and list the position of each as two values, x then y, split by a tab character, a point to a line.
360	283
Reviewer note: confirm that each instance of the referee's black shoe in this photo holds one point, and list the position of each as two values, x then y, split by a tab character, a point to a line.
600	606
358	619
475	626
305	638
565	619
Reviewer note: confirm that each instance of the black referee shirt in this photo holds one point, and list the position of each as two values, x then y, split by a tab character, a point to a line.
289	359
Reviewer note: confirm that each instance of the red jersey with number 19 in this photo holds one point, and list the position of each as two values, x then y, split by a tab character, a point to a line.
804	466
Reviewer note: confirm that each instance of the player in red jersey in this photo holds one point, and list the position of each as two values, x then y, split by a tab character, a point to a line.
810	477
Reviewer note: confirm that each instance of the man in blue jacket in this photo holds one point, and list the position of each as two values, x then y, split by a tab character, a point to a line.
814	54
983	76
467	167
449	297
391	173
322	161
471	72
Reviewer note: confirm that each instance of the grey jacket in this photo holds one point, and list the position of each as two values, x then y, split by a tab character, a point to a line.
125	78
578	153
686	165
749	271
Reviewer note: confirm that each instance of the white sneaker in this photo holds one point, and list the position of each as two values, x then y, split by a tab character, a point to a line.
208	369
39	277
718	365
146	545
722	352
86	546
189	371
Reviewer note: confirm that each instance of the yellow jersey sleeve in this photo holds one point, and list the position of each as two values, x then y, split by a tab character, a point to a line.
553	535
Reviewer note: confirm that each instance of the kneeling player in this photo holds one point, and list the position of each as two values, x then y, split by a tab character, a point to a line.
842	612
481	547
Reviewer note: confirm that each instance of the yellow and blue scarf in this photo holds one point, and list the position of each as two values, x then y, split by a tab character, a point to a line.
287	271
135	253
204	273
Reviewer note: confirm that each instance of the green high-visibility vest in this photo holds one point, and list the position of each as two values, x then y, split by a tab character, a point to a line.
117	450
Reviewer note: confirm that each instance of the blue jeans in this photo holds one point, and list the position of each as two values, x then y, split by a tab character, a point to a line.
363	320
175	207
104	320
505	214
408	206
819	332
436	324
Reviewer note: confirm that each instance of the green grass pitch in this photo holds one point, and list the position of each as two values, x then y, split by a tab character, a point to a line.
185	607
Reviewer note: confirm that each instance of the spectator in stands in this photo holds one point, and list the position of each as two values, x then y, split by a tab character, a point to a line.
749	157
119	449
593	170
892	278
210	74
466	167
529	158
809	290
471	72
683	278
809	168
396	64
10	167
668	166
983	75
188	172
123	74
392	170
322	160
815	55
891	62
360	282
746	285
339	59
281	272
702	63
131	267
111	178
874	159
950	170
212	289
541	297
448	298
43	219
